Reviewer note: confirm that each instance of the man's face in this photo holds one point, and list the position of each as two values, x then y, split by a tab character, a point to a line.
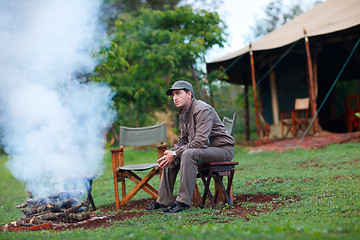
181	98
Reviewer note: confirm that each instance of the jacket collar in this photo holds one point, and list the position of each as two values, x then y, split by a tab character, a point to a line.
185	112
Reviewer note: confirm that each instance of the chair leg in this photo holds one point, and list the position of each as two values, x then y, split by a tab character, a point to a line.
123	189
218	196
229	188
207	190
288	130
293	130
116	188
221	185
139	185
146	187
196	199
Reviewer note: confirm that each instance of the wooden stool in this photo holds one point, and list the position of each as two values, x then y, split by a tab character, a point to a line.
217	170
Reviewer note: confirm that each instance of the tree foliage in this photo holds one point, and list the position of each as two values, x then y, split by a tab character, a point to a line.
113	8
157	48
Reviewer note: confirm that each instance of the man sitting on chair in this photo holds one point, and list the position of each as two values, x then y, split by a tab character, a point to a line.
203	139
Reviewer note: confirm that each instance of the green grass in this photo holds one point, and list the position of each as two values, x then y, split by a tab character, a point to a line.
325	180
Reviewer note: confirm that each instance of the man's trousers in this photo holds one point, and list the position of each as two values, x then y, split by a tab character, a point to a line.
188	166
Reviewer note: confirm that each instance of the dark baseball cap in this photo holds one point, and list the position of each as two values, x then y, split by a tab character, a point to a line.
180	85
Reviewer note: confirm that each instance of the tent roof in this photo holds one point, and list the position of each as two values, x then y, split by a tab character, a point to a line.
326	17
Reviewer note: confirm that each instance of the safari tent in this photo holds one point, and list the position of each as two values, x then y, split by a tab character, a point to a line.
315	55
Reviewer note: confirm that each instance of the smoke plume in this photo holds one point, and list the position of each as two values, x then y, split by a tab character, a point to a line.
52	122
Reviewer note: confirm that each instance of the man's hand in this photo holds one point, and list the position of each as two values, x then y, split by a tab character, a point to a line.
166	160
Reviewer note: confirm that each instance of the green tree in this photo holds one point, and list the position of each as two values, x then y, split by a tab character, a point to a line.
114	8
159	48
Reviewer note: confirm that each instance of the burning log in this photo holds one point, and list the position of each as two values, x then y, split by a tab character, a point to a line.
58	208
68	203
65	217
46	208
76	208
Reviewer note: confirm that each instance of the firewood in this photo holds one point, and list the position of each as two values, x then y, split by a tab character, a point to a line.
59	207
49	216
23	205
36	201
65	217
34	220
53	208
73	217
25	224
76	208
32	211
41	226
68	203
61	195
37	221
44	208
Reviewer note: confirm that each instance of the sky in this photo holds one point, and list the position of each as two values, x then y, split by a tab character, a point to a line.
240	16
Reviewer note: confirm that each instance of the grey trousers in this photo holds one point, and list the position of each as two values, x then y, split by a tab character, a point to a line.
188	166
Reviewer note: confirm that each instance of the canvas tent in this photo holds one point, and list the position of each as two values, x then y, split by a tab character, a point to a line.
281	66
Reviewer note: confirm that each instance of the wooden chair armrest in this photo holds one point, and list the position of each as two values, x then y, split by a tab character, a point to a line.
117	156
119	149
161	146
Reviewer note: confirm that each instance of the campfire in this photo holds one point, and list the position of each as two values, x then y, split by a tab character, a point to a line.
55	210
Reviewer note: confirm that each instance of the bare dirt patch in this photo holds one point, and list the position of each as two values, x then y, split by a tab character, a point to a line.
309	142
244	206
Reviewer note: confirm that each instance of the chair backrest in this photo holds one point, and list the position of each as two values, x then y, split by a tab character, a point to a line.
301	103
142	136
352	103
230	123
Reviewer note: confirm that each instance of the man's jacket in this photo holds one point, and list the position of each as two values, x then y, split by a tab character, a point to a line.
201	127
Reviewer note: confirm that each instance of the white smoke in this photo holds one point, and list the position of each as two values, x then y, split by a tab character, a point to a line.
52	124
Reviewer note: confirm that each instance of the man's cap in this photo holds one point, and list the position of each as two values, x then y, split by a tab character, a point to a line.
180	85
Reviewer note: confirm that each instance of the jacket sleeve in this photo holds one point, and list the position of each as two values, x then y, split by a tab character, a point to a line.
182	140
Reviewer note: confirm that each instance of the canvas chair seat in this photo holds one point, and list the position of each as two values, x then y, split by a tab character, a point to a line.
144	136
216	171
138	167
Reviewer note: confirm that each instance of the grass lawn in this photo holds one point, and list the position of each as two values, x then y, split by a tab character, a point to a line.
325	180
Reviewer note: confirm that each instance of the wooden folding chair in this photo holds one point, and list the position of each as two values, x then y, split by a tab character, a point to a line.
216	171
230	123
352	106
143	136
295	120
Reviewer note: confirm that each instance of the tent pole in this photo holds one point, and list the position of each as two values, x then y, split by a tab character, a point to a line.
313	106
246	106
254	90
274	97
